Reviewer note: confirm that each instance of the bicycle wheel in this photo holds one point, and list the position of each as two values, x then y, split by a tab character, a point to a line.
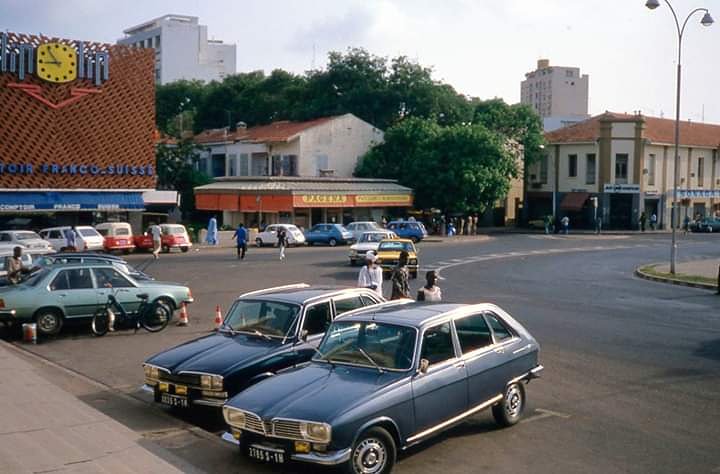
100	324
156	318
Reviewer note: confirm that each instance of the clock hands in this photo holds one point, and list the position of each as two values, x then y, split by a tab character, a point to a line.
55	61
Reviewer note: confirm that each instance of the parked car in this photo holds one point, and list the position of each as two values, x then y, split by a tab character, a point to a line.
706	224
269	235
30	241
331	234
264	332
87	237
117	235
368	241
384	380
91	258
360	227
388	254
412	230
173	236
57	293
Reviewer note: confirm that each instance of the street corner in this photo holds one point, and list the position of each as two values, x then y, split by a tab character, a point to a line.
694	274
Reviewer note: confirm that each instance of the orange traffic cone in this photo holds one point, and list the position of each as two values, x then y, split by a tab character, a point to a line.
183	321
218	317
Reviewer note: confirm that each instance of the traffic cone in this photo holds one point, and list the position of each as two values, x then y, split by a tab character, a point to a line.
218	317
183	321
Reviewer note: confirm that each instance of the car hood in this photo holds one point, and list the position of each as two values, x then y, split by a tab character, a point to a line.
215	354
316	392
161	283
365	246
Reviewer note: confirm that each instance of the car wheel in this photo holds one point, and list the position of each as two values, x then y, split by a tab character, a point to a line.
49	322
332	242
510	409
258	242
184	249
165	249
374	452
126	251
414	239
353	263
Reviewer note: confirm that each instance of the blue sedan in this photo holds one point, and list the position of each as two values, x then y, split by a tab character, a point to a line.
330	234
386	379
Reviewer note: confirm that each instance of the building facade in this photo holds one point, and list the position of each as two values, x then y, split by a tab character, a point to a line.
626	161
558	94
182	49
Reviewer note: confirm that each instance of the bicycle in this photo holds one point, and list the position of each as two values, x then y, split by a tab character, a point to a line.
153	317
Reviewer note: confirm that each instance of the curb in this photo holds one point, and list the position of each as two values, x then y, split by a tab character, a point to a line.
672	281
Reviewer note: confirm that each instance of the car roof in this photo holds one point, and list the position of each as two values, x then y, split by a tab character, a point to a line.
415	314
406	241
114	258
300	294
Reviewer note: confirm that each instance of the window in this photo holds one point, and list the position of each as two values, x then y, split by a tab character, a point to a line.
76	279
202	164
218	165
621	168
317	318
590	168
544	169
243	168
348	304
285	165
437	344
473	333
499	329
5	238
55	234
232	165
650	166
572	166
700	171
269	317
108	277
568	73
157	41
259	164
321	163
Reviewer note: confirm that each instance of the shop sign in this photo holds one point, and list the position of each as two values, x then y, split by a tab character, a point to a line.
74	169
384	199
622	188
326	199
697	193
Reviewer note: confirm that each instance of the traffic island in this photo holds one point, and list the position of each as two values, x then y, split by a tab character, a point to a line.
697	274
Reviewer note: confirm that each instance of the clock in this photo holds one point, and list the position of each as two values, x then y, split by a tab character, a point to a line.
56	62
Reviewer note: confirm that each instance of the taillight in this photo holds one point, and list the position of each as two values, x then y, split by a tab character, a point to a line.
85	246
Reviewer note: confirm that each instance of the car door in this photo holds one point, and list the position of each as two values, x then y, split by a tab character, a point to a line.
270	235
55	237
441	393
73	290
316	320
343	304
110	280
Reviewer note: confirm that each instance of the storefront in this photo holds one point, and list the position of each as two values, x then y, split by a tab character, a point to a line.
302	201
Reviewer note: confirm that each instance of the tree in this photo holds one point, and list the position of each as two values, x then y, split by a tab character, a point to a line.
175	166
177	98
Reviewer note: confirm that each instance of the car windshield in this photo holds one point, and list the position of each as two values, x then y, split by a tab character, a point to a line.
396	246
271	318
174	229
86	232
35	277
26	235
373	237
388	345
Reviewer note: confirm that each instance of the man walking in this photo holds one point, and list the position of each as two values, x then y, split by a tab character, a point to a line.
282	241
653	221
212	232
156	233
643	221
371	275
400	278
565	221
241	236
71	239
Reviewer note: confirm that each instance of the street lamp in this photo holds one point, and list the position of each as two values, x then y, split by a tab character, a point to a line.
706	20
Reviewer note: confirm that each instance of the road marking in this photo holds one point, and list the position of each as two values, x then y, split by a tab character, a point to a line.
542	414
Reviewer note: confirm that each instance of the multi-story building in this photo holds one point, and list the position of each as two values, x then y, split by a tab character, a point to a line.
182	49
558	94
626	161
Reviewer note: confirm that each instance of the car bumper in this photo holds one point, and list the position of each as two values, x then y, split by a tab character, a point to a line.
203	401
8	316
330	458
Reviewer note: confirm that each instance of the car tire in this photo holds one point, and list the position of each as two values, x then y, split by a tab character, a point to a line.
374	451
165	249
353	263
511	407
126	251
184	249
258	242
414	239
49	322
332	242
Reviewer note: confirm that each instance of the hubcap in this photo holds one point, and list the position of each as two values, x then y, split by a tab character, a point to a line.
369	457
513	401
47	322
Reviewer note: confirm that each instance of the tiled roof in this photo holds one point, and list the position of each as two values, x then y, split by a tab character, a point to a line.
280	131
657	130
305	185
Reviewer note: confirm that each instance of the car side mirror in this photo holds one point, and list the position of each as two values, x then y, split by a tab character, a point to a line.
304	335
424	364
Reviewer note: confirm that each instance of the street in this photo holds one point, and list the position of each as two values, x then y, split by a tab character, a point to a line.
632	379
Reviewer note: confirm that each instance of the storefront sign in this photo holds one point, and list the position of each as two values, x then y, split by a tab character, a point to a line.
324	199
74	169
380	199
697	193
70	201
622	188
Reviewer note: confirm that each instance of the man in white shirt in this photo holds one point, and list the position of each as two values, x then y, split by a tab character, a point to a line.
157	239
371	275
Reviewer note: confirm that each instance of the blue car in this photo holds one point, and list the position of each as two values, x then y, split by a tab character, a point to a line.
384	379
330	234
412	230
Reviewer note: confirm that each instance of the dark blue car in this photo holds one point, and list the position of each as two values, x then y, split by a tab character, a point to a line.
329	234
412	230
384	379
264	332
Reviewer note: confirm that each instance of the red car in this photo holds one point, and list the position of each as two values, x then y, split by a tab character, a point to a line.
117	236
173	236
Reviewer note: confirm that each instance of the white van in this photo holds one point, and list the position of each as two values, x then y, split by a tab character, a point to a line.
87	237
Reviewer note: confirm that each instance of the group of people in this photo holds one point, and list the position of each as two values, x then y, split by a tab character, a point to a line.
241	237
564	225
371	276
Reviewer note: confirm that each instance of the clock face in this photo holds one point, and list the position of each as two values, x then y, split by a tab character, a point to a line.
56	62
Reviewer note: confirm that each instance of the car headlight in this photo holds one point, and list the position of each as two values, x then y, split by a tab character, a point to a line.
413	261
234	418
353	252
151	372
211	382
318	432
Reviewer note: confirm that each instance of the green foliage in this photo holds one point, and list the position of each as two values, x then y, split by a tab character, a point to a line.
175	99
517	122
176	170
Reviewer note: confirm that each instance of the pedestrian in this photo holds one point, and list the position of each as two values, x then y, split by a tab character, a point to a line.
156	233
282	241
598	224
400	278
565	221
71	239
430	292
548	223
240	236
643	220
371	275
212	232
653	221
686	224
15	268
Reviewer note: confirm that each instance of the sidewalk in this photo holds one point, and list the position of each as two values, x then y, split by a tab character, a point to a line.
697	274
45	429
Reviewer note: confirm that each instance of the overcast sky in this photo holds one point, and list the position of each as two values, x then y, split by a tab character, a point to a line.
481	47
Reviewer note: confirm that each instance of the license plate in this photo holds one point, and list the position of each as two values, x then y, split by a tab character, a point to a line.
174	400
265	454
122	242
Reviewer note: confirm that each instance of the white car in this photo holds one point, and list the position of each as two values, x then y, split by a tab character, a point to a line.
87	237
27	239
368	241
360	227
269	235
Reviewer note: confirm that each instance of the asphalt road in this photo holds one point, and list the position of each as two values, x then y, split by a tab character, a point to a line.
632	379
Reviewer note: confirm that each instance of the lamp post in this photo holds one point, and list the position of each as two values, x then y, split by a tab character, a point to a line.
706	20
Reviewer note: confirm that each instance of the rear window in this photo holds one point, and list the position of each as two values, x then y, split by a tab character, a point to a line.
103	232
396	246
87	232
174	229
292	228
122	231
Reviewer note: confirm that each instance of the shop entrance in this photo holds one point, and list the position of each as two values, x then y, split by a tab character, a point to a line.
621	211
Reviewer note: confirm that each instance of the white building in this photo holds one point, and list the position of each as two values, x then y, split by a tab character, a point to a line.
182	49
558	94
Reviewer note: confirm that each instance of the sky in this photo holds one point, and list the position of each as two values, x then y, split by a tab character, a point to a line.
483	48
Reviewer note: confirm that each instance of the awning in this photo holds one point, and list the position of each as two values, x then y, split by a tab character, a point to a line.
574	201
70	201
